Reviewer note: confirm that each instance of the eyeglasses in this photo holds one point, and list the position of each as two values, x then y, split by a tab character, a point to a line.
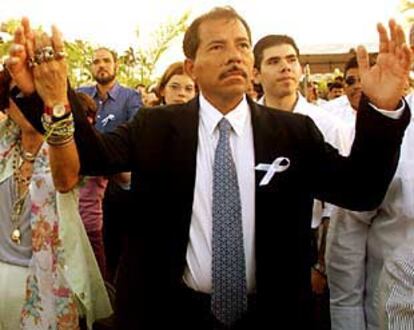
351	80
178	87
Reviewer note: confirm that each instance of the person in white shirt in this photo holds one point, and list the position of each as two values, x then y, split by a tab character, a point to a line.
278	71
359	242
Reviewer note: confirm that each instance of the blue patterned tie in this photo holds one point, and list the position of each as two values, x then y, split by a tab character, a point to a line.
229	297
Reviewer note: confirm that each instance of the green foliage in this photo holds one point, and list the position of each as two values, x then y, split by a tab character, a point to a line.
136	65
407	8
4	48
79	55
406	5
10	26
7	29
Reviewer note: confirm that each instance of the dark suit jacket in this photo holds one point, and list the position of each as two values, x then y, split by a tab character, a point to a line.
160	145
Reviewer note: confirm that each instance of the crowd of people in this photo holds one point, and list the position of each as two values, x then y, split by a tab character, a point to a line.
226	197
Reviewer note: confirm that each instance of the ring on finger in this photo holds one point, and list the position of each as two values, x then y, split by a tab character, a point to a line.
48	53
59	55
38	57
31	62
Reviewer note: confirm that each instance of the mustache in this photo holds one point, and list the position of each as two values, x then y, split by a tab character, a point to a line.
232	70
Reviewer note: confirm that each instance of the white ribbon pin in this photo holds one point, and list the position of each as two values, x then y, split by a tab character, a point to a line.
271	169
106	120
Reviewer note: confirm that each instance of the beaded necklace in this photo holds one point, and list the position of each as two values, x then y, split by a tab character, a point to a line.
21	189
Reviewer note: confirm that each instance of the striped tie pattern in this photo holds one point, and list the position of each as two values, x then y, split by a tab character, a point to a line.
229	297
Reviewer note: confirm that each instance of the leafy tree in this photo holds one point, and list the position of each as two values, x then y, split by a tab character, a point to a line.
79	54
6	32
407	9
136	65
406	6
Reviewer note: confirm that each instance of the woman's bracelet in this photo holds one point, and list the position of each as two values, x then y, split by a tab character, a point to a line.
58	132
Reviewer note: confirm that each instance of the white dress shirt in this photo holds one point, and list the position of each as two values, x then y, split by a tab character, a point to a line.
197	274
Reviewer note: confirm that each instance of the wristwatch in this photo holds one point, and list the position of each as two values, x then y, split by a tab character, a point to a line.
58	111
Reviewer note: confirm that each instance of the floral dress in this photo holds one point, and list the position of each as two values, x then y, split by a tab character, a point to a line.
63	281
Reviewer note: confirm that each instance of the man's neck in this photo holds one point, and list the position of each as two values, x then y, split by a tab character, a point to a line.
224	105
104	89
285	103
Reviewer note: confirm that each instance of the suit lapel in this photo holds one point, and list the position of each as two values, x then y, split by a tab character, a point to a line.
183	148
185	137
264	137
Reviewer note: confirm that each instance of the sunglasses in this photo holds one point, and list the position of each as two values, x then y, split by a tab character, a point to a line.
352	80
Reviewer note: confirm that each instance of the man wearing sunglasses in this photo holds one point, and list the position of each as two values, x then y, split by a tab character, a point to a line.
346	105
353	84
360	242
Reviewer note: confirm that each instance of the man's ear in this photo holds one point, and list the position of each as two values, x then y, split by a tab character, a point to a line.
189	68
256	76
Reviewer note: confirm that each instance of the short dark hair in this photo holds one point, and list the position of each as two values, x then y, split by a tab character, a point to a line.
191	40
112	52
270	41
351	64
335	84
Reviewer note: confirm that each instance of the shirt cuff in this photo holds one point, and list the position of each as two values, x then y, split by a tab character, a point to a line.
393	114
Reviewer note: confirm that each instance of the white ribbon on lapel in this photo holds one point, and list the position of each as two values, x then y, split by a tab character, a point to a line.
271	169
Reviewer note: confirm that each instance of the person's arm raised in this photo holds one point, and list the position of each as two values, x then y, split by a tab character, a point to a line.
384	82
51	84
37	60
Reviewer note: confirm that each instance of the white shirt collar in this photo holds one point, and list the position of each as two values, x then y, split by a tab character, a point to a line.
300	102
238	117
261	101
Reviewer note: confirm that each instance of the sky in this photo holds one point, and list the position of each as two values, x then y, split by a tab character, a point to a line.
314	24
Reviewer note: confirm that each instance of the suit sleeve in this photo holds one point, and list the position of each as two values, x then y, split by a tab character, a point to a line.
102	153
359	182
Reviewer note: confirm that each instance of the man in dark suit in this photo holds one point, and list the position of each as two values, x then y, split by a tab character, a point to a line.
281	162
